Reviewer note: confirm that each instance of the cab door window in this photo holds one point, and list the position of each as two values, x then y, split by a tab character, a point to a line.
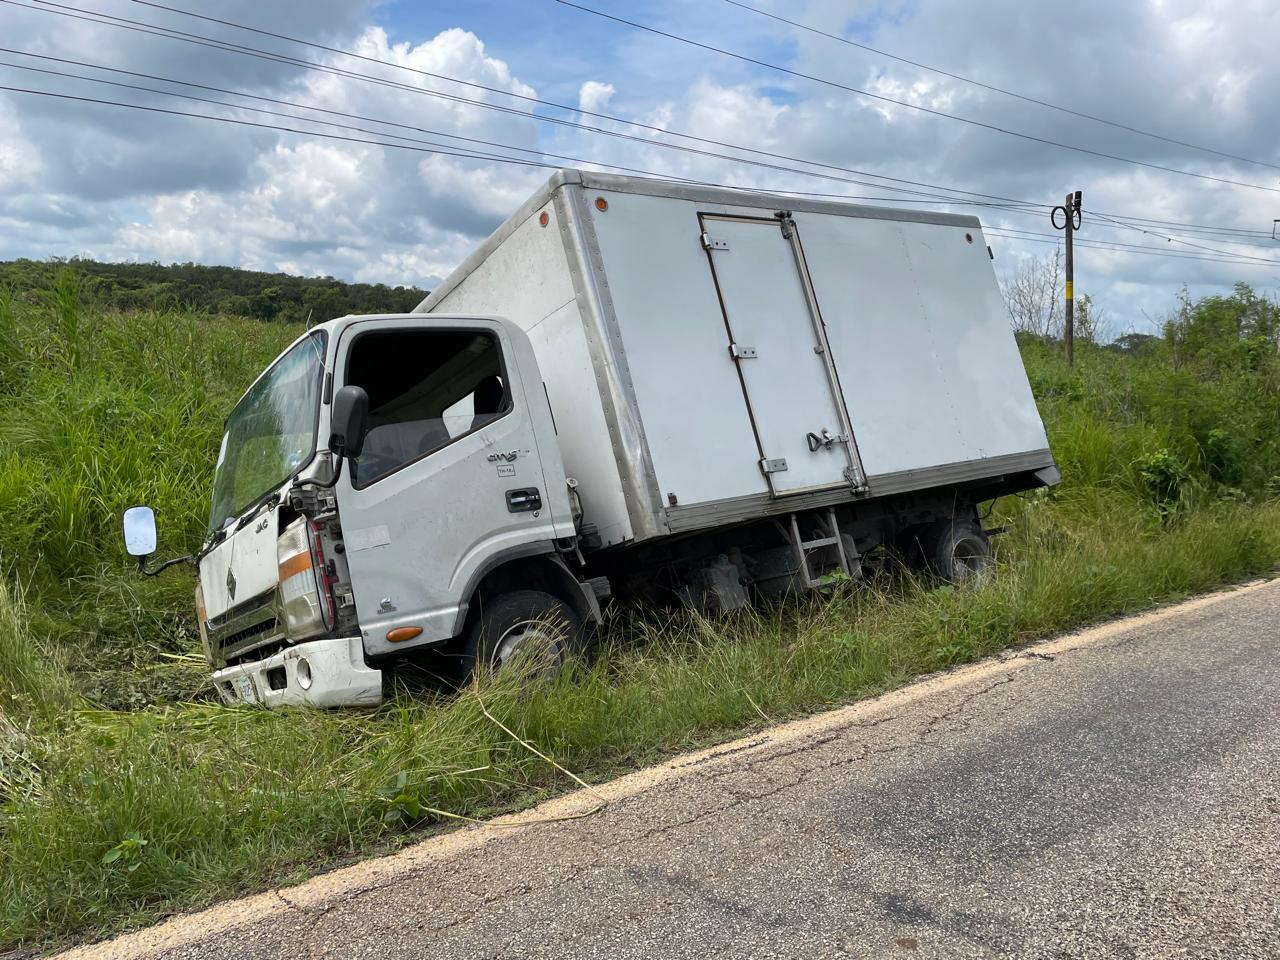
427	388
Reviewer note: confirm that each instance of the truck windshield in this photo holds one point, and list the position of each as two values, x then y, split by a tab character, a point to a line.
271	433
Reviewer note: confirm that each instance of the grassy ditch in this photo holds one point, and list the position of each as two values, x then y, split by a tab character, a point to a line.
126	794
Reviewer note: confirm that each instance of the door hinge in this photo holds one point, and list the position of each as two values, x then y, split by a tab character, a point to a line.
768	466
712	243
742	353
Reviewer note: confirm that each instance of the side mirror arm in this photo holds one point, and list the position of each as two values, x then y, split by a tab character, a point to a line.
142	565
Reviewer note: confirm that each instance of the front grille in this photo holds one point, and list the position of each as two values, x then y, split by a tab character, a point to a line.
244	627
242	611
248	633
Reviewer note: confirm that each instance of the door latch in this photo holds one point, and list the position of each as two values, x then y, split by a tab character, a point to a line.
823	440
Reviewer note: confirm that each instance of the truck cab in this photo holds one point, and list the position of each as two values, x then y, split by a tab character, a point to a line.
333	546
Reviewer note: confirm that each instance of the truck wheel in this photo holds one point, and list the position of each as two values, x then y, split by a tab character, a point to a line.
525	629
958	551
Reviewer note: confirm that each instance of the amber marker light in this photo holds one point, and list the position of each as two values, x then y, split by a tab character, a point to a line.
401	634
602	204
544	218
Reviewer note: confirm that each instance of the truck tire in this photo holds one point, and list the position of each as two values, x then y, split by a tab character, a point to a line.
528	628
957	550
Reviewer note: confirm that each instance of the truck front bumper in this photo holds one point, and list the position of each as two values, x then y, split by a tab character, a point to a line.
321	673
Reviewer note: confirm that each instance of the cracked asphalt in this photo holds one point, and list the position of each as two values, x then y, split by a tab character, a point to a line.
1115	793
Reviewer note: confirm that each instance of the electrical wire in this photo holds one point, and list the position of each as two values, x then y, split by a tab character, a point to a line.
341	126
988	86
1192	226
835	84
124	23
1014	233
995	231
1188	243
513	161
305	106
443	150
1102	245
1010	205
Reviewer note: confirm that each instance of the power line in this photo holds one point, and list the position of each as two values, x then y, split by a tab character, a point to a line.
330	123
1139	253
451	150
988	86
136	26
312	107
442	150
1100	221
1194	226
272	126
510	160
1188	243
1117	246
393	123
1007	204
904	103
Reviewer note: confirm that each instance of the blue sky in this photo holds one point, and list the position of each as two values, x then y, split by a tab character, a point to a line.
101	181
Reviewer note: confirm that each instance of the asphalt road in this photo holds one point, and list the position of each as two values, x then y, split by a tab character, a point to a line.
1109	794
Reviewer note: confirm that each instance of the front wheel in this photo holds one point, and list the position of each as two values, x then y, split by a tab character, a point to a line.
524	631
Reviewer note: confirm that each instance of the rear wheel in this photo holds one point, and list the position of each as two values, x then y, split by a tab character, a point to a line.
524	631
957	550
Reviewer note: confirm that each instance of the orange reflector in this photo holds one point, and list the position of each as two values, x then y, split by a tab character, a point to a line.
298	563
401	634
602	204
545	218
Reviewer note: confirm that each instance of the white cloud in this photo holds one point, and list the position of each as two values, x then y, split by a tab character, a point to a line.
82	178
277	201
594	96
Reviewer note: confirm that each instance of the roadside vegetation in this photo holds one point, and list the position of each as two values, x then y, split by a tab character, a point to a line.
126	792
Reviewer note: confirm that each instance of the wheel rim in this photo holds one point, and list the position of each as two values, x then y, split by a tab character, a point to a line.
970	559
537	643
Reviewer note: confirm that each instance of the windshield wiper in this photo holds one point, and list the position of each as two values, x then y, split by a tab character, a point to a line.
210	542
271	499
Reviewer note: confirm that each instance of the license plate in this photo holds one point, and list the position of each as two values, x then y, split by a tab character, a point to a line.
244	688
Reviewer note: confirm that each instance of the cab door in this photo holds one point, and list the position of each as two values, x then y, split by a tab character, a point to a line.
459	469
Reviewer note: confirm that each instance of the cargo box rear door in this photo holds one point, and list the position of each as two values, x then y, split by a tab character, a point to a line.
777	338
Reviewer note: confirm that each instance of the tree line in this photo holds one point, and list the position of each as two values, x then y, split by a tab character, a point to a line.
1243	320
216	290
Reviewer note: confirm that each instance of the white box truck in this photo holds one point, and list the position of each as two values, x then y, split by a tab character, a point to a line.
666	393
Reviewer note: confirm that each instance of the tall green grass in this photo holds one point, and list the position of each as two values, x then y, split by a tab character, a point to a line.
126	793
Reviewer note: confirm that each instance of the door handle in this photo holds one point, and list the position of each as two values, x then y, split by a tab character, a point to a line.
820	441
524	500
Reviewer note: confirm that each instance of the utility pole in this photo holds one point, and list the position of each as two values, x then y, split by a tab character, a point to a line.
1070	211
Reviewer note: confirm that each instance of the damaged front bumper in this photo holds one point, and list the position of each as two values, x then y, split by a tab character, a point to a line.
321	673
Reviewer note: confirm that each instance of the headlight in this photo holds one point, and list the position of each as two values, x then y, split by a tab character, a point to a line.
303	607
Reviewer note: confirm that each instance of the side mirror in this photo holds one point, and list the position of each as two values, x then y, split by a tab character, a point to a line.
349	421
140	531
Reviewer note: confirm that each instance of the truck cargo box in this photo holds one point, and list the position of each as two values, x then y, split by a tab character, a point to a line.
713	356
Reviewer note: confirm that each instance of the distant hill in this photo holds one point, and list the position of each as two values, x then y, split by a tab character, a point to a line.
228	290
